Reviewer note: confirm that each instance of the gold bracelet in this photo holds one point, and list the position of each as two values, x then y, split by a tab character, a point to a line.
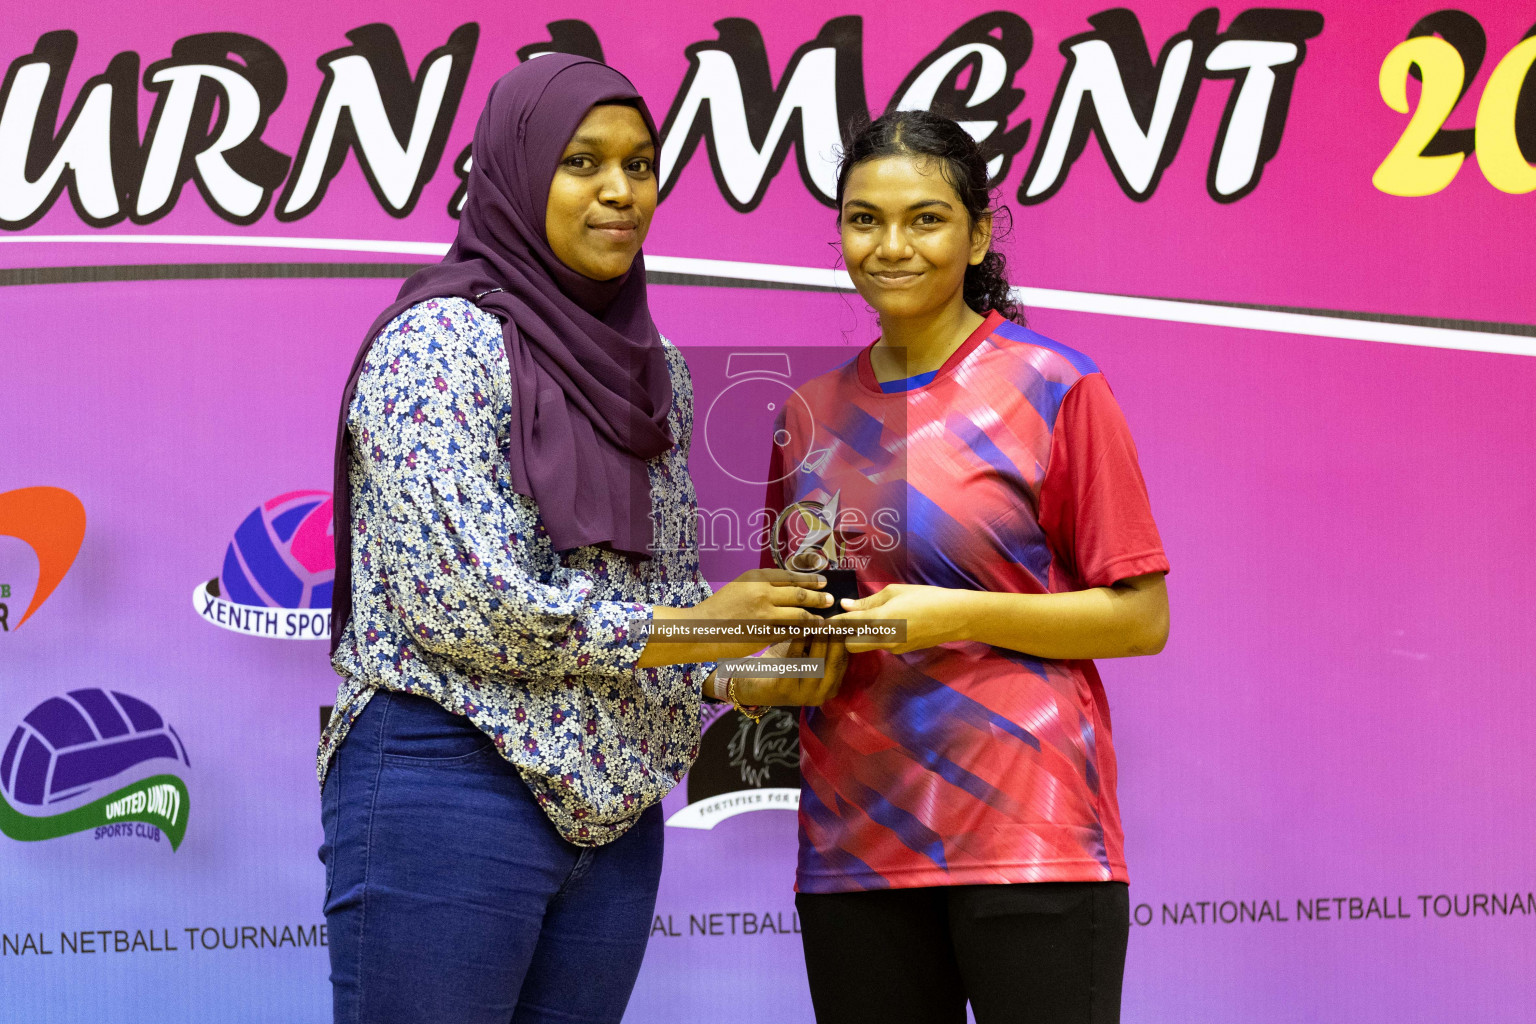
752	711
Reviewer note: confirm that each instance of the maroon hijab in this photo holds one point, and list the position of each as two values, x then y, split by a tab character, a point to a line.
590	387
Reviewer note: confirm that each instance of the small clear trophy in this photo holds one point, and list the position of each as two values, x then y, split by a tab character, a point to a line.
811	526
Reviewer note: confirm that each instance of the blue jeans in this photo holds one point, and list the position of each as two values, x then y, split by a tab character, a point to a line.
450	897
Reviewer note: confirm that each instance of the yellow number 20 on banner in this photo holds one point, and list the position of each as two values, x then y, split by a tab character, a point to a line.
1407	171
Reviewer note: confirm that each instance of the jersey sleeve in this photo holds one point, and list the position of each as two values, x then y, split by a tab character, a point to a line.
1094	507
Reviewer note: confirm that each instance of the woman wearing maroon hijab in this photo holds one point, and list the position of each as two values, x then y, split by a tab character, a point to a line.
513	508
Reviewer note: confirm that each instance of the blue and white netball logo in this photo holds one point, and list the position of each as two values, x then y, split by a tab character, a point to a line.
89	759
278	571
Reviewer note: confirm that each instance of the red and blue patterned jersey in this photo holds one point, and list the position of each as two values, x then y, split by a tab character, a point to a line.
1010	469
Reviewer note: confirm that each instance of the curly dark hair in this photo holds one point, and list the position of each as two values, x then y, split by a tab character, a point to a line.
964	165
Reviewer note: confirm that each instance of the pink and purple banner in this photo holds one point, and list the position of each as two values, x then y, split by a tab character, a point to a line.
1297	240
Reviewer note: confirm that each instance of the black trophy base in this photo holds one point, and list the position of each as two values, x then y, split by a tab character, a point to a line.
841	583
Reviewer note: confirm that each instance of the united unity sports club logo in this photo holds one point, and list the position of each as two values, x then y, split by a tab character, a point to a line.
93	759
278	571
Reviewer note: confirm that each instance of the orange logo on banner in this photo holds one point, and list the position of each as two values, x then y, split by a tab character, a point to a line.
52	522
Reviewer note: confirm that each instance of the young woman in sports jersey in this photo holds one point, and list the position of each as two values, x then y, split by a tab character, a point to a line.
960	839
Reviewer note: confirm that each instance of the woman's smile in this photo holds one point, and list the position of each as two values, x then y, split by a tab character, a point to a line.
617	229
895	278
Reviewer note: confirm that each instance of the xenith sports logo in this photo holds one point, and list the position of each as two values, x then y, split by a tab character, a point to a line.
742	766
68	749
278	572
50	521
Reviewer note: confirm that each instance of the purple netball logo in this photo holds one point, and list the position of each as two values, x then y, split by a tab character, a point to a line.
278	571
68	745
93	759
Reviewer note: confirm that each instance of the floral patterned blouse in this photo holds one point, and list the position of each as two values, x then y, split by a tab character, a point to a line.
459	596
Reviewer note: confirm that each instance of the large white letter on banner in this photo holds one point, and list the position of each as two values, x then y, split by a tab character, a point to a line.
1262	49
216	82
81	156
986	54
728	100
1137	110
369	103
